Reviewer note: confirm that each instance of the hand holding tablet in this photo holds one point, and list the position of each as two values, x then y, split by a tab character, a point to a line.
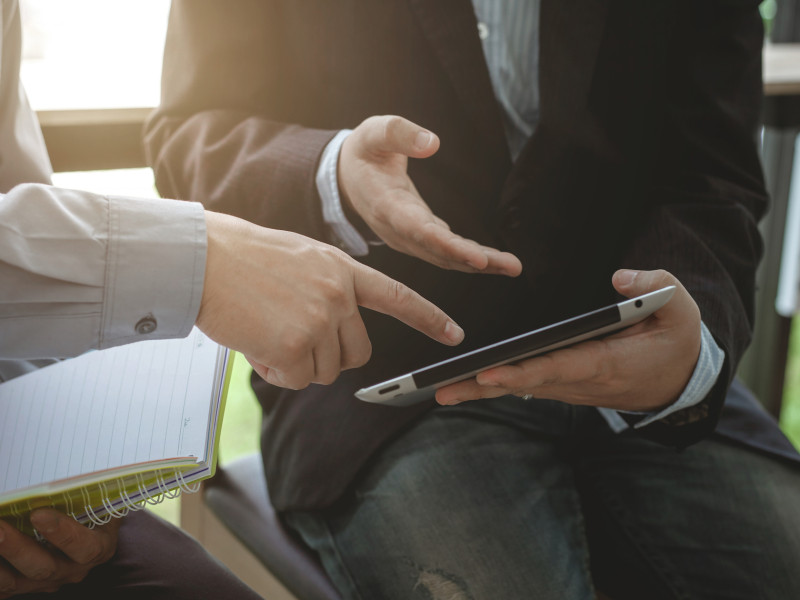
612	372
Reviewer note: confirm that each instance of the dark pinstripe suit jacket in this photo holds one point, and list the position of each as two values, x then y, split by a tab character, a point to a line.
645	157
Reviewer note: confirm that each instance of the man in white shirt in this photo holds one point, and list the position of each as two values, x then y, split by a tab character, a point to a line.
81	271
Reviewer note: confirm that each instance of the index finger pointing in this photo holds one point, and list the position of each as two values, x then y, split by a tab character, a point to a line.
378	292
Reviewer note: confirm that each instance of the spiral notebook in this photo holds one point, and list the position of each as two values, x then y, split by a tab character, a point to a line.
109	431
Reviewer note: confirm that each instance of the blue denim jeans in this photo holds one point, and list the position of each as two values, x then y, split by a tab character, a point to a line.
511	499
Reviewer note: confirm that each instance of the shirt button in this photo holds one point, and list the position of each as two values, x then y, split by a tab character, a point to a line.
146	325
483	31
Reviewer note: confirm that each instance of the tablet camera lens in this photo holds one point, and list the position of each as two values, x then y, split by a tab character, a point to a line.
639	304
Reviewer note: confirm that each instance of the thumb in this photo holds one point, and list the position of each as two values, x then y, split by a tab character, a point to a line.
393	134
632	283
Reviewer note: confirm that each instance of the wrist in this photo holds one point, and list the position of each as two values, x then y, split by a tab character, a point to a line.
351	214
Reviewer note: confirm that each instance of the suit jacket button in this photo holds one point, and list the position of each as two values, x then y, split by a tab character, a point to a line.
146	325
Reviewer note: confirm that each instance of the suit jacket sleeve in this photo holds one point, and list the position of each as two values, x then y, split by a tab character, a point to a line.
223	134
708	189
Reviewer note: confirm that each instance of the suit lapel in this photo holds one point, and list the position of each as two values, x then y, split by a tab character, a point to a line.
452	30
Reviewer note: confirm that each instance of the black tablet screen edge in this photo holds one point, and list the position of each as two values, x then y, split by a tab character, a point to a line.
506	351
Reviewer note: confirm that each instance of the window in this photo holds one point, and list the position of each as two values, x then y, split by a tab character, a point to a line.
94	54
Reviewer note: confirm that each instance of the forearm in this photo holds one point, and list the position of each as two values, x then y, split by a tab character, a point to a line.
83	271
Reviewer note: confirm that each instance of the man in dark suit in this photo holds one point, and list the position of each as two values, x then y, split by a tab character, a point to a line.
587	140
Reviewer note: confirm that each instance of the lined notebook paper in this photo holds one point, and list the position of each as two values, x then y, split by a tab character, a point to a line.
105	432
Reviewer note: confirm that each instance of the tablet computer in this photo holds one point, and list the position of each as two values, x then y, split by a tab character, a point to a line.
421	384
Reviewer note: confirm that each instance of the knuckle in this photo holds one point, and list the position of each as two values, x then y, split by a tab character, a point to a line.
318	320
551	373
372	121
334	253
275	377
303	384
662	277
364	354
423	238
92	555
295	344
399	292
358	358
75	576
328	372
43	573
298	377
66	539
392	126
368	133
294	382
436	316
328	377
333	293
108	553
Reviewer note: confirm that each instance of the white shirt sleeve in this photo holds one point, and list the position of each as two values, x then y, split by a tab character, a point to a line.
706	372
78	270
82	271
343	233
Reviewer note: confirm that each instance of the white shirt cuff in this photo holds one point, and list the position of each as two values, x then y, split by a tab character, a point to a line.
344	234
706	372
155	269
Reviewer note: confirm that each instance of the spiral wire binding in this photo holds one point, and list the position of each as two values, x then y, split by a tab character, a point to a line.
69	507
126	499
93	517
189	488
109	505
165	491
149	498
18	516
106	511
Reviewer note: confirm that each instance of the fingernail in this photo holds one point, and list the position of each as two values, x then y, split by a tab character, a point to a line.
453	332
44	522
423	140
626	277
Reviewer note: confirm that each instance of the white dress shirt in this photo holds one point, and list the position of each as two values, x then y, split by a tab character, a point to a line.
80	270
